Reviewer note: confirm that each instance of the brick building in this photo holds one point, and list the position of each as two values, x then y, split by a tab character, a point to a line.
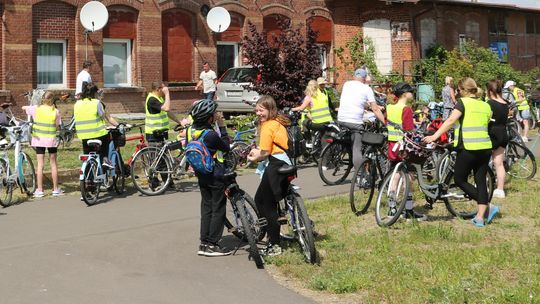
43	43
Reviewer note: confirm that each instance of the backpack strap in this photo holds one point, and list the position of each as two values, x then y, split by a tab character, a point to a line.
200	137
279	146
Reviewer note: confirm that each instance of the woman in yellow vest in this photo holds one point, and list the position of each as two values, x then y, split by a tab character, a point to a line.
90	116
46	121
316	101
473	144
524	111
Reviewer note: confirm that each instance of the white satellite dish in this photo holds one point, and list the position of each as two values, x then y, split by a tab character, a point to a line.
218	19
94	16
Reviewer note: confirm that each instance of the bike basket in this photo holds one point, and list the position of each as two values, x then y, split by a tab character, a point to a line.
175	145
370	138
118	137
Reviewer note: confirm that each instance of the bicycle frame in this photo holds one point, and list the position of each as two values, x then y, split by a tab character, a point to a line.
238	135
142	144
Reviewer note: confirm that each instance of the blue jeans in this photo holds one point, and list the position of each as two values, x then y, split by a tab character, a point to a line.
209	95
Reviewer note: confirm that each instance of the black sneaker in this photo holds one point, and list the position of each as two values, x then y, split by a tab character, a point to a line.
202	249
413	215
271	250
392	211
215	251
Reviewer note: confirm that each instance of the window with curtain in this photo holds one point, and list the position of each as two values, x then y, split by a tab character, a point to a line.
51	64
117	62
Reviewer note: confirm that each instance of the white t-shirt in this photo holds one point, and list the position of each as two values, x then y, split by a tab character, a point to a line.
354	98
82	77
208	81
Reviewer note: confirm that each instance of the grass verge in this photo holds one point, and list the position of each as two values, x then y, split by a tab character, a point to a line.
444	260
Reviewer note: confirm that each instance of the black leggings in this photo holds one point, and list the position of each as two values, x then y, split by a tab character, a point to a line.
271	190
478	162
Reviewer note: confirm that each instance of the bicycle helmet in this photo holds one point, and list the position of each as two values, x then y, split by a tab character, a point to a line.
402	88
203	109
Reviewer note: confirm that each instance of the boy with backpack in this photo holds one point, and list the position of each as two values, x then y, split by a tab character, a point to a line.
203	153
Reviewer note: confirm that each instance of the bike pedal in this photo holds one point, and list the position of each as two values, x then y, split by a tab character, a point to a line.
261	222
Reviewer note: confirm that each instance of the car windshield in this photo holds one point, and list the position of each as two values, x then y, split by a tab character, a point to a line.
240	75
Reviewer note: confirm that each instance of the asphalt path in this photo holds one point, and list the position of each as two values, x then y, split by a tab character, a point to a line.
131	249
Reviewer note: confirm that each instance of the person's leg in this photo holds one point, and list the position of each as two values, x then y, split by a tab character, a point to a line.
206	213
210	95
525	128
464	164
498	158
54	168
480	168
40	153
217	221
264	199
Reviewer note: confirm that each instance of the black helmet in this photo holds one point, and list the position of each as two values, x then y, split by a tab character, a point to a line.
203	109
402	88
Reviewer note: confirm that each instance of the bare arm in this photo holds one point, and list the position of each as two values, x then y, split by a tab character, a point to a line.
454	116
256	155
453	96
199	85
167	104
301	107
110	119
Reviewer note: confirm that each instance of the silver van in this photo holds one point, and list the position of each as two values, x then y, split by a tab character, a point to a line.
232	89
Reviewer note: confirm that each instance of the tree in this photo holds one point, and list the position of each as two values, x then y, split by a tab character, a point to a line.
286	62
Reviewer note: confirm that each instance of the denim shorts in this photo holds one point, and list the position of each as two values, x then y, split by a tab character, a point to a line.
525	114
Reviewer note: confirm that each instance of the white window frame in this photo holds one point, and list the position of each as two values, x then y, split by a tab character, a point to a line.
128	64
236	50
62	85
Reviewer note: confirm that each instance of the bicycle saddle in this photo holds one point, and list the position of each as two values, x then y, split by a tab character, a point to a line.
96	142
287	170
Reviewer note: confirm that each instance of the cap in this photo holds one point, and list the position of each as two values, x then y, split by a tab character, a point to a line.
509	83
360	73
321	80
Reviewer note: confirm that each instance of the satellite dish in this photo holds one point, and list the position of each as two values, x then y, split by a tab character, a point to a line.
218	19
94	16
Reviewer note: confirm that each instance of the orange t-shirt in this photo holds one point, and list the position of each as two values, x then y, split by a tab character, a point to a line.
273	132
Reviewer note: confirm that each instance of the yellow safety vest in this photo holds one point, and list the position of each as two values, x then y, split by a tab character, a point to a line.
45	122
158	121
319	109
196	134
394	114
474	127
87	121
521	100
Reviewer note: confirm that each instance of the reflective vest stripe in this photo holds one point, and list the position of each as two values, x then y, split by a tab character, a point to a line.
44	122
476	140
87	122
161	116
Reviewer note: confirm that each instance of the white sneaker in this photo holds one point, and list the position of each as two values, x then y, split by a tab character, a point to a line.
58	192
498	193
39	193
525	139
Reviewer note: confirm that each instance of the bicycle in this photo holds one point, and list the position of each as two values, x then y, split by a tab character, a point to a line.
24	175
140	145
293	212
242	144
519	161
369	174
93	176
67	132
336	158
154	167
396	186
247	226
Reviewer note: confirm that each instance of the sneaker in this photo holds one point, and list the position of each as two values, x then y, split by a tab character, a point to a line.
58	192
478	223
525	139
295	187
38	193
493	210
413	215
498	193
202	249
107	165
215	251
392	211
272	250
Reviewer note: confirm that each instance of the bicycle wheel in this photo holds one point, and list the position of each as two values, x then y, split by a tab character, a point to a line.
230	161
302	225
248	230
151	176
27	174
363	187
89	187
240	151
119	179
445	164
335	164
6	188
252	213
520	160
455	200
392	196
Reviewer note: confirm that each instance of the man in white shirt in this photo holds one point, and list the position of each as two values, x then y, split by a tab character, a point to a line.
356	96
207	81
84	76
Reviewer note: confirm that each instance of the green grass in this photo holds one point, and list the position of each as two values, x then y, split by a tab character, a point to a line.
444	260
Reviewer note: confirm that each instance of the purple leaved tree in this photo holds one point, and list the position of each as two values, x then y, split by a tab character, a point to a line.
286	61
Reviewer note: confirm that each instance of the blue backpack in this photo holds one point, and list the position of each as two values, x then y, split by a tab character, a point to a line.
198	155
